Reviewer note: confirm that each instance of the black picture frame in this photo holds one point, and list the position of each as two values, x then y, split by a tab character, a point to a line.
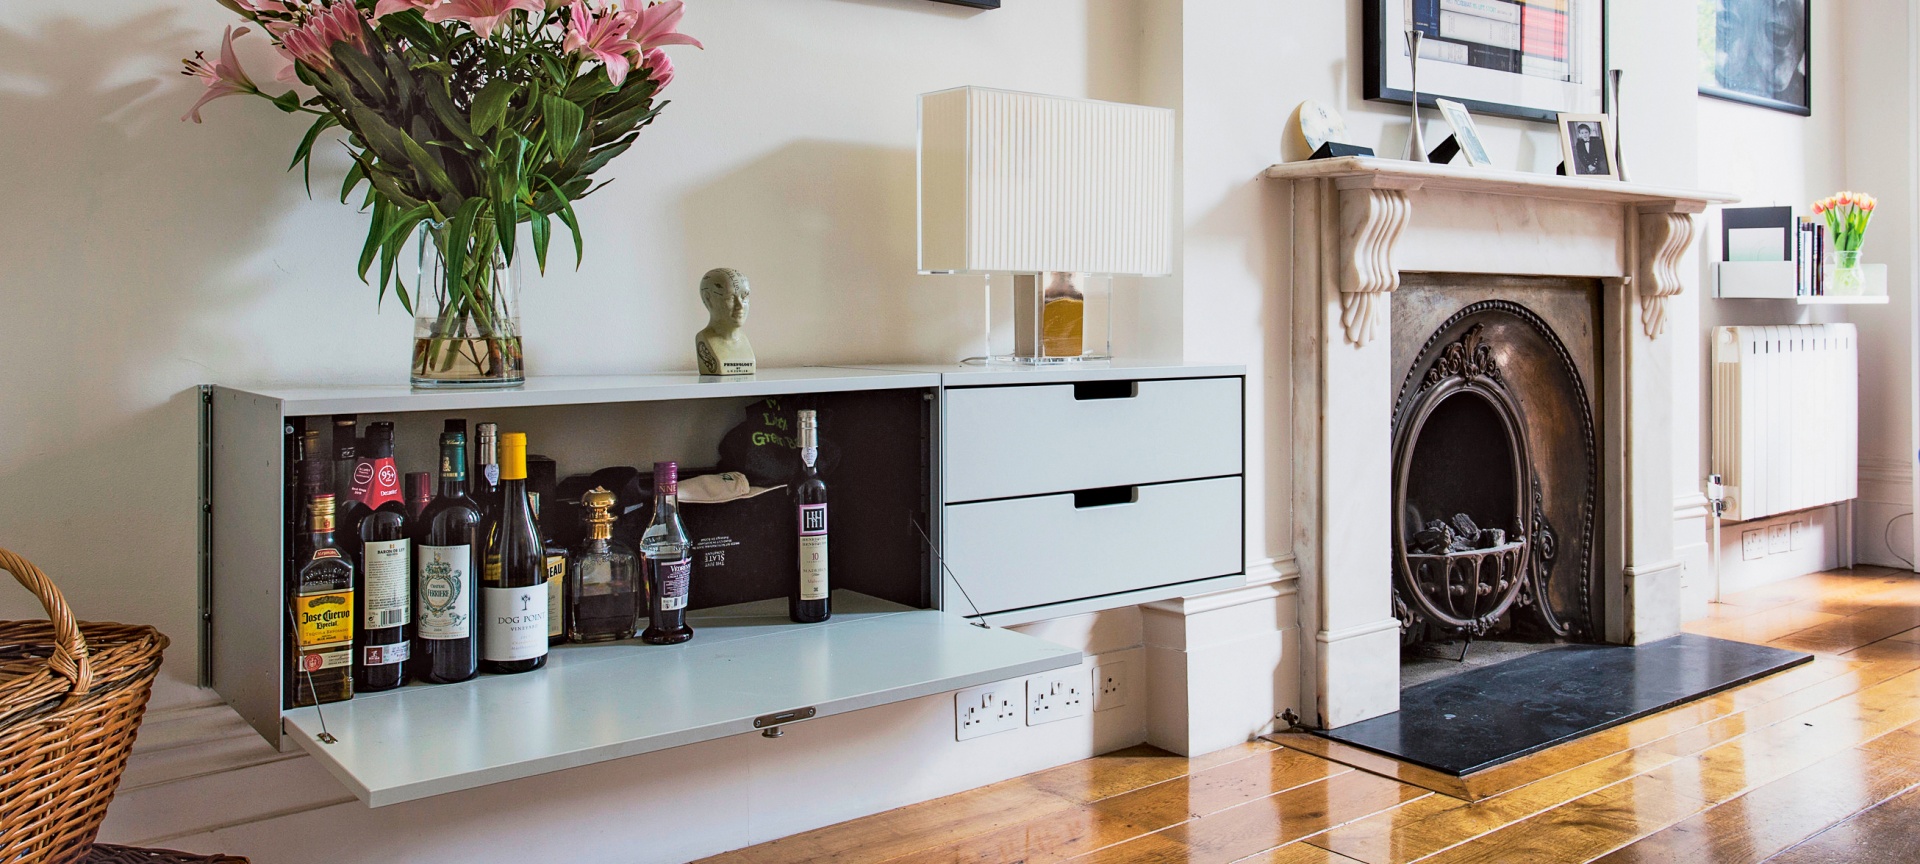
1377	55
977	4
1721	88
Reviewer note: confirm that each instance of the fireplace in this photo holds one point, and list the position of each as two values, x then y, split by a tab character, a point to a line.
1542	302
1495	458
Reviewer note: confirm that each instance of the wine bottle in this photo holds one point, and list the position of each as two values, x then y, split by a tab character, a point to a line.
321	662
809	602
446	643
513	596
605	576
554	557
383	583
667	554
346	460
419	489
486	467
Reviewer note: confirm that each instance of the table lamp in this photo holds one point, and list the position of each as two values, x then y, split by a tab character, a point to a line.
1052	190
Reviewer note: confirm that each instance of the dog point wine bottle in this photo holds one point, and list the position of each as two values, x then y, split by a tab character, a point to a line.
513	596
446	646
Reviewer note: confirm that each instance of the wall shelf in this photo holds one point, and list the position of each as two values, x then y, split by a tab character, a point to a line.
1834	300
594	703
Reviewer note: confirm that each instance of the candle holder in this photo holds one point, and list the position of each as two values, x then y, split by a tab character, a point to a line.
1416	143
1613	92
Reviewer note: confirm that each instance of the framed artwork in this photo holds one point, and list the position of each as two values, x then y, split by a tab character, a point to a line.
1586	142
1531	59
1759	52
1465	132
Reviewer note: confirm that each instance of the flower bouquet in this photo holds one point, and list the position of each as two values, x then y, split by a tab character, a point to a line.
1847	215
464	119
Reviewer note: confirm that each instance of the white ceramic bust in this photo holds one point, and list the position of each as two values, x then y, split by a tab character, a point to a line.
722	347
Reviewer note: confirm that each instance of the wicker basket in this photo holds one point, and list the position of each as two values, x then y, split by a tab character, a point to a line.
105	854
71	696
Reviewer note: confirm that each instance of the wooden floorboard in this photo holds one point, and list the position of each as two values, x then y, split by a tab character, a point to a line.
1818	763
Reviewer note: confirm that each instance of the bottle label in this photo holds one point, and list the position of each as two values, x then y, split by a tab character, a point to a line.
386	583
813	520
324	619
556	593
516	623
326	660
809	455
492	473
813	567
376	481
385	655
675	577
445	580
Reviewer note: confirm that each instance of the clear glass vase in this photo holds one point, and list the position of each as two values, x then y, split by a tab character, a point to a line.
1849	279
466	331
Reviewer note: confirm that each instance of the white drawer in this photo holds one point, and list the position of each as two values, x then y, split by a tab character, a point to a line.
1002	442
1022	552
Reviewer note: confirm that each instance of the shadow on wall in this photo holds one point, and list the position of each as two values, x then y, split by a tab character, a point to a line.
110	295
836	222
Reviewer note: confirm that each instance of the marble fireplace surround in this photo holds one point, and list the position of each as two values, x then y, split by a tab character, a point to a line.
1356	225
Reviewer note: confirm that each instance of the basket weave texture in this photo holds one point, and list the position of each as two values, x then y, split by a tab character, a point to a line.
71	697
106	854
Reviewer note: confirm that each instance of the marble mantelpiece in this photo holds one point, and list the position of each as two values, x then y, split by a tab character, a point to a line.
1355	225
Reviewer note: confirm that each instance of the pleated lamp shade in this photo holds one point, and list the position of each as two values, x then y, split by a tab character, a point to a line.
1025	183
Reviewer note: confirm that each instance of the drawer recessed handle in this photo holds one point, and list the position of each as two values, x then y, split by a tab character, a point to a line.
1111	496
1086	391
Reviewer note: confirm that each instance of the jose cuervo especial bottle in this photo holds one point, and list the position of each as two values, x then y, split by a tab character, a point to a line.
322	610
808	603
446	646
668	561
513	597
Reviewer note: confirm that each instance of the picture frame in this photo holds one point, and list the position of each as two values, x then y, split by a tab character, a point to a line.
1586	143
1527	59
1758	52
1464	132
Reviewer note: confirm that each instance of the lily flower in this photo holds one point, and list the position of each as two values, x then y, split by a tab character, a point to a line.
312	40
387	7
223	78
659	67
602	36
482	15
653	27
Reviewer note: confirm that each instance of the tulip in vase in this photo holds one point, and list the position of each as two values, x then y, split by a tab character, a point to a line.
464	119
1847	215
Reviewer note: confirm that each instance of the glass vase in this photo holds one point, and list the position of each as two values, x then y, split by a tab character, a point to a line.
1849	278
466	327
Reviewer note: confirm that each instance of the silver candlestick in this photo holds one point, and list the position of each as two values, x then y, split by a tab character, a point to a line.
1416	144
1613	90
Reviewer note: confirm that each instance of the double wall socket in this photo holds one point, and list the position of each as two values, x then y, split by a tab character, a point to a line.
1058	695
987	709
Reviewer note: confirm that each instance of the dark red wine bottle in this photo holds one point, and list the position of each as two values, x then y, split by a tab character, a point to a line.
666	561
446	637
808	602
383	571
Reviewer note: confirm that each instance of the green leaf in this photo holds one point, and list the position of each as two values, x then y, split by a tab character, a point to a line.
460	237
288	101
490	107
563	120
442	105
542	233
304	152
506	185
355	175
363	72
376	233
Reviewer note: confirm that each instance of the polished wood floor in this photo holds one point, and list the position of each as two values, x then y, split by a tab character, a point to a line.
1816	764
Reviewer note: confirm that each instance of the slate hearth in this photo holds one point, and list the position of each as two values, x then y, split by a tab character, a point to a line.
1476	720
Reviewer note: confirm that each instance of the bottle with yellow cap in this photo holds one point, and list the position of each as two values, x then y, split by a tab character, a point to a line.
513	591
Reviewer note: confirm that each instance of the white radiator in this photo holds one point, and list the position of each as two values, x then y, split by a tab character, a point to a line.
1786	421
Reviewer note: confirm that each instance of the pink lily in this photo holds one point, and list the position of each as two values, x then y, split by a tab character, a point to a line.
223	78
482	15
387	7
659	67
654	25
602	36
312	41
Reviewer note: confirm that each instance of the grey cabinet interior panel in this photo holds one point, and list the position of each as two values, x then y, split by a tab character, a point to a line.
595	703
244	612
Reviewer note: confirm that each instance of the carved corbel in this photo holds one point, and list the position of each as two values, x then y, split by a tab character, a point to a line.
1372	219
1666	232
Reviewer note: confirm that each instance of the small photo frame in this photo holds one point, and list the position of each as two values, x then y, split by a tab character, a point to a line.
1586	142
1465	133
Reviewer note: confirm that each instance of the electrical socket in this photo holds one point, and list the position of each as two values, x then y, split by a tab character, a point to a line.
1779	539
1753	544
1109	685
1800	532
1058	695
986	709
